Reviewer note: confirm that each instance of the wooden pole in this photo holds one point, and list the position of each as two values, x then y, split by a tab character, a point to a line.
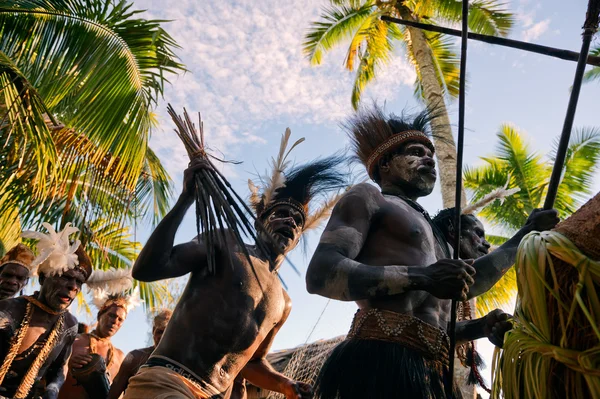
458	193
516	44
590	27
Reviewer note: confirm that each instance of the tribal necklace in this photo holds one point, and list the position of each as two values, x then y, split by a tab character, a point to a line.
15	344
94	337
436	232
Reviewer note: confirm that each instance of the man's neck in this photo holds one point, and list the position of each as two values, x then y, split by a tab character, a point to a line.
392	189
101	335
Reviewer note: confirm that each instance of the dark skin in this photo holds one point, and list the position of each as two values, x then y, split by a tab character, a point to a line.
473	245
131	364
108	325
241	312
13	278
56	292
380	252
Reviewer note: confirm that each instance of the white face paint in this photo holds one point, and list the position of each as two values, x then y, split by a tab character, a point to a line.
412	169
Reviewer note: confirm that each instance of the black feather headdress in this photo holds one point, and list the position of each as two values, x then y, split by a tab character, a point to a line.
300	186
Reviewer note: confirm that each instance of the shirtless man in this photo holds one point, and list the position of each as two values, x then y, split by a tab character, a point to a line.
36	332
111	316
136	358
224	324
380	251
14	270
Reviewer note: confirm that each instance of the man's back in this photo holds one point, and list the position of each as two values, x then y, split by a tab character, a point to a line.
216	337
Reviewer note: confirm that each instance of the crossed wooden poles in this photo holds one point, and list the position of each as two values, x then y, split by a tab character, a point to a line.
590	27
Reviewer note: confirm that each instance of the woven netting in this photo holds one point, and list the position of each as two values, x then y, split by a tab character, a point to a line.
305	363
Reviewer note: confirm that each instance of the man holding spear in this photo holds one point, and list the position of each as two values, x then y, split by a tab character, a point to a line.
225	322
381	250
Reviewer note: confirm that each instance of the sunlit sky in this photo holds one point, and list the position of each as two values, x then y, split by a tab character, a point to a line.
249	78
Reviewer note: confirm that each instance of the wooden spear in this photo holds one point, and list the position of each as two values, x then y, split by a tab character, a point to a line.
590	27
449	388
516	44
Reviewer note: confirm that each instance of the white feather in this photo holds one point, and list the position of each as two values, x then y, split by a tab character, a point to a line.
498	194
113	281
56	254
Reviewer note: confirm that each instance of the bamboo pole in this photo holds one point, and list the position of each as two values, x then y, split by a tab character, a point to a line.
590	27
563	54
458	194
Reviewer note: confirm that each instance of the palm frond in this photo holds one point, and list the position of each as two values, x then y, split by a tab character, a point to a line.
446	64
154	189
594	73
488	17
378	49
499	296
579	170
97	68
337	23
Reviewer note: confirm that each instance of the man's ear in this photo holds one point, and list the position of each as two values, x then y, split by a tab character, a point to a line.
383	165
451	231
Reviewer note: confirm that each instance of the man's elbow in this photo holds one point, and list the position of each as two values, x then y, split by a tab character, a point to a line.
141	273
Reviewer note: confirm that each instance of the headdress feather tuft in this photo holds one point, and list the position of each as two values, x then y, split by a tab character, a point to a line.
498	194
56	254
111	281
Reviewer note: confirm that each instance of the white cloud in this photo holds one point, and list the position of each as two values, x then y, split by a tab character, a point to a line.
536	30
247	69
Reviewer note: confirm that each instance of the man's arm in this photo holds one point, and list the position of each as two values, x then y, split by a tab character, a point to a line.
121	380
159	259
260	372
57	372
491	268
335	274
493	326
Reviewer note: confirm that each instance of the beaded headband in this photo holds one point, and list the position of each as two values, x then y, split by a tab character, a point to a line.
20	255
288	202
394	142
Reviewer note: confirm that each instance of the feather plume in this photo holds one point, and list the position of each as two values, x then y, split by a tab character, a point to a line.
56	254
277	178
101	296
254	195
498	194
315	219
113	281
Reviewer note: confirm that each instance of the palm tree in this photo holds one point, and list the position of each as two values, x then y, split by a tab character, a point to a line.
78	84
372	43
514	162
594	73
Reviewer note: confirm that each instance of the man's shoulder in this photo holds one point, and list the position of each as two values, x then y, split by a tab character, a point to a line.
70	320
363	195
137	353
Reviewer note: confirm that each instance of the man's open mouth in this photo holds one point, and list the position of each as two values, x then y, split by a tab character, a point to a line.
287	233
64	298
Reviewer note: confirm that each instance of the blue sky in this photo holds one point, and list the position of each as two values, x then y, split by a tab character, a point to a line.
250	80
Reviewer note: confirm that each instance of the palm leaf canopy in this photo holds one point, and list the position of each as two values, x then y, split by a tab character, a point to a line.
594	73
97	69
372	41
79	80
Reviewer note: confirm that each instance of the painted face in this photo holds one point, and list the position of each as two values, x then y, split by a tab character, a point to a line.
59	291
111	321
13	278
413	169
157	333
473	244
285	224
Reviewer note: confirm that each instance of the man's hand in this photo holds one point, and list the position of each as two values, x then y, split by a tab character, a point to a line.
496	325
542	220
78	361
449	278
189	180
298	390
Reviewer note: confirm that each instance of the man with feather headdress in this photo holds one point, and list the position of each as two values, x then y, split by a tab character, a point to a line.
224	324
37	331
381	250
15	268
95	360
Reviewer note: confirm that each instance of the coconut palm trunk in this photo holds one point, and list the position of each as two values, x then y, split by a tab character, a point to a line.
433	96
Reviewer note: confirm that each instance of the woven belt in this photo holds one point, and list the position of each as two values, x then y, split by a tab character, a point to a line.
384	325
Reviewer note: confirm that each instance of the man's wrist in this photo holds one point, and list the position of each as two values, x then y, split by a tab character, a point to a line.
418	280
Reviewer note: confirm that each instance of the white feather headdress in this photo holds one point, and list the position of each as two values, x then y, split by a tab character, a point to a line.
56	254
102	299
112	281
